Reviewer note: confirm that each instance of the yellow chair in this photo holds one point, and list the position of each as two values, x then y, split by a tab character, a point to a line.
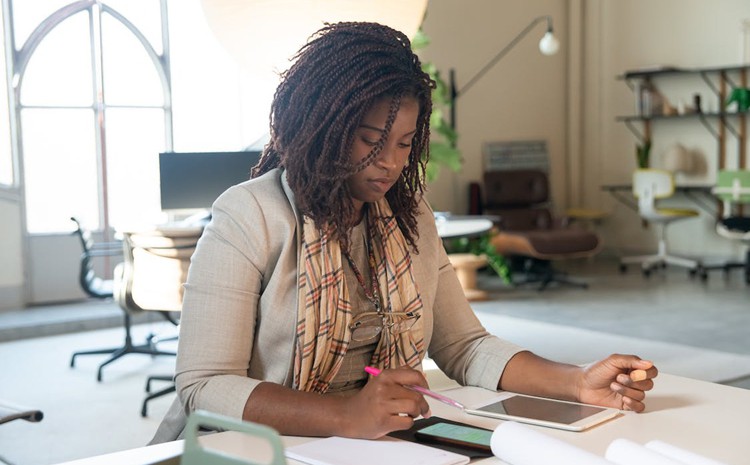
650	185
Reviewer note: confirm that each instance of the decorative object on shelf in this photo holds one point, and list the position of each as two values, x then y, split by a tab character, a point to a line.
643	153
740	96
548	45
708	109
697	103
678	159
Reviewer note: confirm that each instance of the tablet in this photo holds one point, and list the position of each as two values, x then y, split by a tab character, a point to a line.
541	411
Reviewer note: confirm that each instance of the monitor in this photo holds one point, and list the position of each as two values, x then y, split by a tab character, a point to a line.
193	180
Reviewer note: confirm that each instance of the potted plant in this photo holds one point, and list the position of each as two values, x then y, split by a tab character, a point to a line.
443	151
482	245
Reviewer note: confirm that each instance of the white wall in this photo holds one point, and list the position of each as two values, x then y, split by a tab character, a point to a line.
522	97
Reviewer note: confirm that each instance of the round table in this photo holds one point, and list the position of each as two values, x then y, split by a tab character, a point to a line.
449	228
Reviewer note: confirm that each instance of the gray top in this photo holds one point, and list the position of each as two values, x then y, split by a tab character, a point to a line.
240	306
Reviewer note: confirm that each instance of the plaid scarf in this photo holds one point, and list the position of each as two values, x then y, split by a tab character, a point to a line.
324	311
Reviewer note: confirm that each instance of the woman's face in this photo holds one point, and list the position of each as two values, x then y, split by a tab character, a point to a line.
371	184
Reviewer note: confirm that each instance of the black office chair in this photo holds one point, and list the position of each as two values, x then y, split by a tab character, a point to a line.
161	392
10	412
92	284
123	295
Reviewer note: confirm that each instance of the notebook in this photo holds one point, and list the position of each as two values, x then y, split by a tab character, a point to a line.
346	451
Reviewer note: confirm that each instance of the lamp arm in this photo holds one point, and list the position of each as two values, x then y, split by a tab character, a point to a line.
455	94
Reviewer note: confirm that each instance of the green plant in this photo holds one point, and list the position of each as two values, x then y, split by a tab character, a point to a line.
482	245
443	151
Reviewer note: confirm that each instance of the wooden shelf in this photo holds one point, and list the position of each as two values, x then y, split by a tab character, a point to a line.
720	80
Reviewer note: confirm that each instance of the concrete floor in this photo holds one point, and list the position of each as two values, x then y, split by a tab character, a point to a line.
669	306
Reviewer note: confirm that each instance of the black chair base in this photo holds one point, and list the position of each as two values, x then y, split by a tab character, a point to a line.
536	271
162	392
117	352
727	267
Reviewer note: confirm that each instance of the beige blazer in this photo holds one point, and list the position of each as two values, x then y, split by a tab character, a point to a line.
240	306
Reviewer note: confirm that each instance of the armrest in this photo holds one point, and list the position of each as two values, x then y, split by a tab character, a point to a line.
10	412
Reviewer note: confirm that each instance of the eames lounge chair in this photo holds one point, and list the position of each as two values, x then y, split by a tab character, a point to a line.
528	231
650	185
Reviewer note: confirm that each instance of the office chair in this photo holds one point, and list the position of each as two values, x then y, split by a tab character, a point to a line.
150	279
153	273
650	185
733	189
92	284
10	412
529	234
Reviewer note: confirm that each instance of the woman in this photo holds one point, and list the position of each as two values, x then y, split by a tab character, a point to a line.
328	260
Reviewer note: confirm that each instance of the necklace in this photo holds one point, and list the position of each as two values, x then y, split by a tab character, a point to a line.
373	292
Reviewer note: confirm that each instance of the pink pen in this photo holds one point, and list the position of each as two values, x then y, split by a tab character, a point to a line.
446	400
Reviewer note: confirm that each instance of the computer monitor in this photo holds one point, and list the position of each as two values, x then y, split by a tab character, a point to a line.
193	180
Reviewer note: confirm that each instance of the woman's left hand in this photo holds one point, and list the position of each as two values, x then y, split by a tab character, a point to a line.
618	381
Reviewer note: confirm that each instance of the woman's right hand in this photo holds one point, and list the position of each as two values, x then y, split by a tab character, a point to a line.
385	404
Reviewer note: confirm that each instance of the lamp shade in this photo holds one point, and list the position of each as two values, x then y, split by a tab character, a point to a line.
262	35
549	45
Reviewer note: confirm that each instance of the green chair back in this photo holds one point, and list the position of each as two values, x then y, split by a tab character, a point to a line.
195	454
733	186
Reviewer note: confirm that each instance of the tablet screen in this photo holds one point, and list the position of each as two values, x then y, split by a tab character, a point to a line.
541	409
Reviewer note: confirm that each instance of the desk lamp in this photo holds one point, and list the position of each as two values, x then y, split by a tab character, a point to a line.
548	45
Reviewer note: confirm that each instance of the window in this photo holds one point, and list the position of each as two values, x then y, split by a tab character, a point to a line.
95	130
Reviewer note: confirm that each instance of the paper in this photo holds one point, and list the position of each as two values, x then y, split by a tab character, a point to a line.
626	452
346	451
682	455
521	445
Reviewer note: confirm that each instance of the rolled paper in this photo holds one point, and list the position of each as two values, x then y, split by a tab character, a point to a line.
685	456
521	445
638	375
626	452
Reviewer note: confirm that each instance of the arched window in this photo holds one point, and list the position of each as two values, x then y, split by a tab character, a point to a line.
91	103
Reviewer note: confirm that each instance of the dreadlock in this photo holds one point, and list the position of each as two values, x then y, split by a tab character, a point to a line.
336	77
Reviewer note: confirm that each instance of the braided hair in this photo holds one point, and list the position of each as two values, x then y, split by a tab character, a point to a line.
335	79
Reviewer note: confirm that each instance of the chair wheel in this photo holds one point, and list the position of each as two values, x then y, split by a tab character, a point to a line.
646	272
704	275
692	272
623	268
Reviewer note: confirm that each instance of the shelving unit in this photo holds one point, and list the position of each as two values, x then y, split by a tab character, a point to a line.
720	81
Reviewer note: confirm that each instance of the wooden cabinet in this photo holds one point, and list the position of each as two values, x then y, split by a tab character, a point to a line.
725	125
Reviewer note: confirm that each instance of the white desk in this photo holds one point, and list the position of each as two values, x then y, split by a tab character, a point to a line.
706	418
462	227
